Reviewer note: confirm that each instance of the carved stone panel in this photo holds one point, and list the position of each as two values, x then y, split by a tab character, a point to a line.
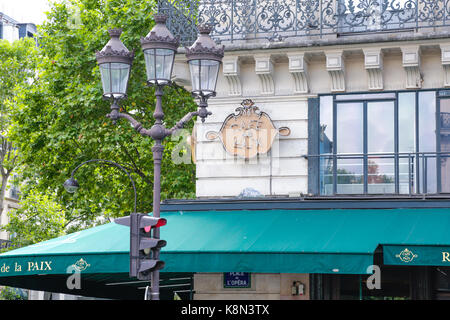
248	132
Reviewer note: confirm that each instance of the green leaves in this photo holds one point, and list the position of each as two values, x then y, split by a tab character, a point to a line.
39	218
59	121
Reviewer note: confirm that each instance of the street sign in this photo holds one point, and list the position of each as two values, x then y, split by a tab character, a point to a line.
236	280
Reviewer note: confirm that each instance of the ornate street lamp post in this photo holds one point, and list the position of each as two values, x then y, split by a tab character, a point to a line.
159	47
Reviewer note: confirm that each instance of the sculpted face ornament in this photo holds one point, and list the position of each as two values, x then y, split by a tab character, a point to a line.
248	132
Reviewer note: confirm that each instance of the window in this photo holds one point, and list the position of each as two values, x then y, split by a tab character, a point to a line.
441	283
384	143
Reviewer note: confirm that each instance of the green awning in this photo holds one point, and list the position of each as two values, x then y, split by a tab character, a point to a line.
413	255
103	249
259	241
286	241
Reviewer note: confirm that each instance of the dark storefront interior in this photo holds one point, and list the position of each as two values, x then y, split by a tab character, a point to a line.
397	283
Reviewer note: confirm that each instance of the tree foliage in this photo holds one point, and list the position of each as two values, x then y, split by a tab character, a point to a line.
39	218
9	293
60	121
16	71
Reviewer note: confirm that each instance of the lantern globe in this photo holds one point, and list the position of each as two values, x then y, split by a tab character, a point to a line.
159	47
115	62
204	58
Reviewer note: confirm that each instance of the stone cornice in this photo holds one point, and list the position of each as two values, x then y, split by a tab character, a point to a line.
303	42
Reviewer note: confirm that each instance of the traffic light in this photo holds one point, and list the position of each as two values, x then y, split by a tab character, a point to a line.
142	245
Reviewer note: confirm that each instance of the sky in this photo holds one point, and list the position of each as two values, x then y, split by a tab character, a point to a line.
26	11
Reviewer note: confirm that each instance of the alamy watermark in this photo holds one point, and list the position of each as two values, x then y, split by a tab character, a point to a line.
374	280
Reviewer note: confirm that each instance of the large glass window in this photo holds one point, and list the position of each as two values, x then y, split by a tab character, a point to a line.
385	143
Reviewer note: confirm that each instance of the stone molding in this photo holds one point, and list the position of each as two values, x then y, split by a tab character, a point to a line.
264	70
305	69
298	67
445	59
373	63
411	63
336	69
231	71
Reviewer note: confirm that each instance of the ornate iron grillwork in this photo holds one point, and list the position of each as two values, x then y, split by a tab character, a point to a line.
182	18
445	120
279	19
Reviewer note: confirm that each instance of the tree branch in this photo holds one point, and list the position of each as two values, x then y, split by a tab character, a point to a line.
135	167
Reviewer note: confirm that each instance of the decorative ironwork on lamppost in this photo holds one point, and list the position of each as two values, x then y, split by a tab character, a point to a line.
159	46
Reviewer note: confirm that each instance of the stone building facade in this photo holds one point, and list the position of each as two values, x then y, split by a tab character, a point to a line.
370	75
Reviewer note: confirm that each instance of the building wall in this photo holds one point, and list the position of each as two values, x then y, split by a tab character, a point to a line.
9	204
10	32
391	65
264	286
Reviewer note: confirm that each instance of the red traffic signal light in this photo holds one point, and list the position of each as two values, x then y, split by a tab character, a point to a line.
148	222
142	246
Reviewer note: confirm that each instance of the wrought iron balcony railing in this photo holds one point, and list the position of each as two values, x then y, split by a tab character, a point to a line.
276	20
415	173
182	18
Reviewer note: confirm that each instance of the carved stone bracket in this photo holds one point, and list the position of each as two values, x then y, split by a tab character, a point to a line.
373	62
336	70
445	59
411	63
298	67
231	71
264	70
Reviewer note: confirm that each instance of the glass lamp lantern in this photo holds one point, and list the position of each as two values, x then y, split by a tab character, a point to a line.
71	185
159	48
204	58
115	62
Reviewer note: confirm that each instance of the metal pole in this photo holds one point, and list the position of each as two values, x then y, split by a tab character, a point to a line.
157	157
157	150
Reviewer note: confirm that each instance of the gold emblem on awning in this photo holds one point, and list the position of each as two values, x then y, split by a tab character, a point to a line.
81	265
406	255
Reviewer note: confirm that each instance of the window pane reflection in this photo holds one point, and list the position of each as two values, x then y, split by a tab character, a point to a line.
444	119
380	139
427	141
349	122
406	141
326	145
